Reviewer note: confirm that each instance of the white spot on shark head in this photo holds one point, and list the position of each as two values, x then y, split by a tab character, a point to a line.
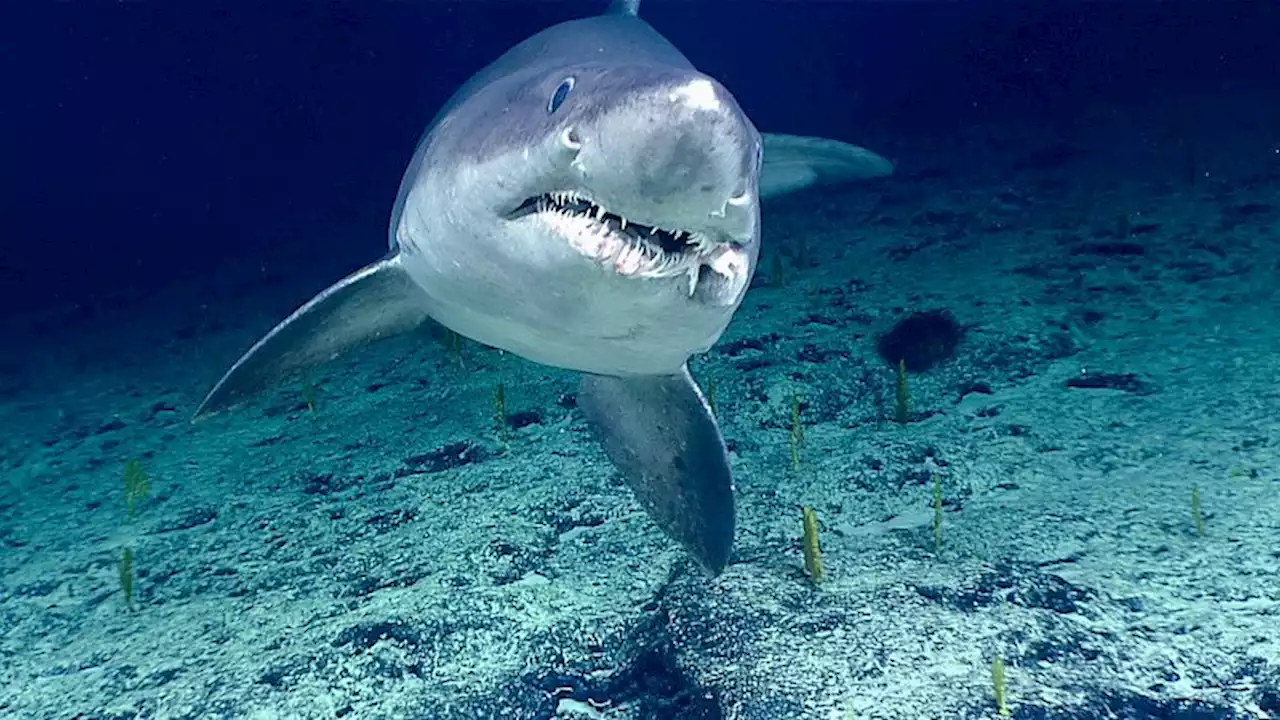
699	94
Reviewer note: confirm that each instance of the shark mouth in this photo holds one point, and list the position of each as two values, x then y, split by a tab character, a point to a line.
629	248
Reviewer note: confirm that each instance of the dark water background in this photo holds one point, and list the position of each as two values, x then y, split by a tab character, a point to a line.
144	143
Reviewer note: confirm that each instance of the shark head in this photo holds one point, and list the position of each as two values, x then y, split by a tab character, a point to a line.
602	217
654	175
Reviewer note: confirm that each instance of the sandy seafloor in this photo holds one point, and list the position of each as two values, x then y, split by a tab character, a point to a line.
384	555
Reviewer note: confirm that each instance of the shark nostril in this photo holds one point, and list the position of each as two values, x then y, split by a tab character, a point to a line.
570	139
740	199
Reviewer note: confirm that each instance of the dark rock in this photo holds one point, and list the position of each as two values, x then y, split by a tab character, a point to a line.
921	340
448	457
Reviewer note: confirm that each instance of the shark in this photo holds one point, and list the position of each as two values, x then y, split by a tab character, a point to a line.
588	201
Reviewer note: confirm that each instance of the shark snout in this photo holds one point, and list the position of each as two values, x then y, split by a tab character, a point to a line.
695	143
678	146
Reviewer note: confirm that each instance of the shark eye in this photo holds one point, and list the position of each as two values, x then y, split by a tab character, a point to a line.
562	92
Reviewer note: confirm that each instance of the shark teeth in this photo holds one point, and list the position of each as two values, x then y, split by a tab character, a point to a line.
628	248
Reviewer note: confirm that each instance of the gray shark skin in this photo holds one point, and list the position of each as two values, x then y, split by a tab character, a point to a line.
588	201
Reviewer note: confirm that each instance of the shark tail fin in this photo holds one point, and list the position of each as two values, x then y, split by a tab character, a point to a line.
624	7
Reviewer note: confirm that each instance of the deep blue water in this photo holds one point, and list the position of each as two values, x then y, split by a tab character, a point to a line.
145	141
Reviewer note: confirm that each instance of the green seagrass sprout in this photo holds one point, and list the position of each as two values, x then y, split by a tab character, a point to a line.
812	550
902	396
136	487
797	432
999	689
454	342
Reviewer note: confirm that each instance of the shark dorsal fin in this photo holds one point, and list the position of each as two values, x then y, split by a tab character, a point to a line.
624	7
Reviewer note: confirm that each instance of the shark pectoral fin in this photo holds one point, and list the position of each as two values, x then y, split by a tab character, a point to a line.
660	433
376	301
793	162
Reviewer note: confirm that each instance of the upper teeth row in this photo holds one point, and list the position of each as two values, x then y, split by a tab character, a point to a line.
564	198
